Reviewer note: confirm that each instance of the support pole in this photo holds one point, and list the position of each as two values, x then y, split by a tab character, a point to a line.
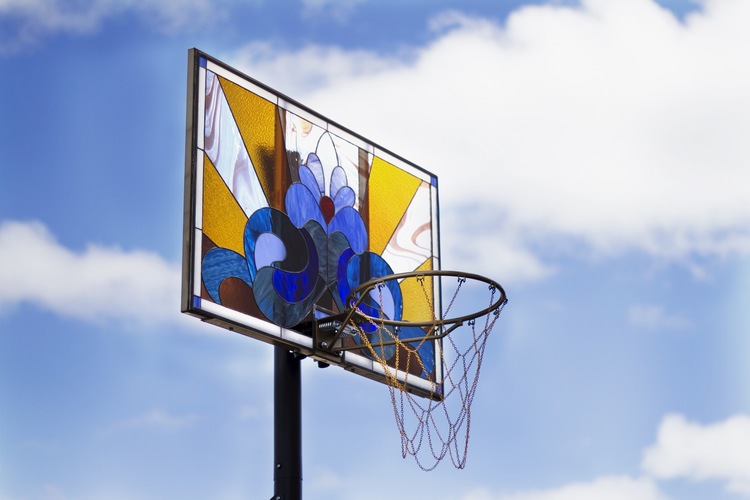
287	428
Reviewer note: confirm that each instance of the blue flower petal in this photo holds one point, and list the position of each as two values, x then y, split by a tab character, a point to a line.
301	206
342	280
276	222
369	266
288	283
365	267
349	222
296	286
338	180
320	238
307	178
344	198
316	167
337	245
280	311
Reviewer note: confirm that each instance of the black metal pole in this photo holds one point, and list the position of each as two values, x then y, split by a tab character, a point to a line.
287	426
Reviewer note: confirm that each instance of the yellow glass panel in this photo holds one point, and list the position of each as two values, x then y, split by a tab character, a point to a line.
418	305
389	193
411	242
256	121
223	219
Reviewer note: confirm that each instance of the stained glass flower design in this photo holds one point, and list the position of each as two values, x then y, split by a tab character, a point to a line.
292	258
281	225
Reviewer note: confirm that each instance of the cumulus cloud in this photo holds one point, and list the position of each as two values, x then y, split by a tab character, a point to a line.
683	450
311	67
96	284
719	451
612	124
611	488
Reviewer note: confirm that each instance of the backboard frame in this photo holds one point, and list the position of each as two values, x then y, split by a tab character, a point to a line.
301	337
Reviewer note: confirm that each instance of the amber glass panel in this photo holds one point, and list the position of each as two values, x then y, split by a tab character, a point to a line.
223	219
389	193
280	172
411	241
256	120
418	301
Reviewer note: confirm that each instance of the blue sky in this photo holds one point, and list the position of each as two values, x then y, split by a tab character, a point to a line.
592	156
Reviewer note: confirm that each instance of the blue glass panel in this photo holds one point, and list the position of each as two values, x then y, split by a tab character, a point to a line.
270	220
365	267
281	312
307	178
219	264
268	249
344	198
349	222
426	351
320	238
337	245
316	167
301	206
427	354
385	301
368	266
343	281
338	180
296	286
258	223
376	337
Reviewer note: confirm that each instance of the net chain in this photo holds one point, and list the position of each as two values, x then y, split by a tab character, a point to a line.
444	421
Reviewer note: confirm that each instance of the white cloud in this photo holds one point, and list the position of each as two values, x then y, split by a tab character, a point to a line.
97	284
611	124
719	451
610	487
683	450
34	19
655	317
494	246
311	67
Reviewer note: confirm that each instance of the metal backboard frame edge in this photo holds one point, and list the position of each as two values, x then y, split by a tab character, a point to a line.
218	315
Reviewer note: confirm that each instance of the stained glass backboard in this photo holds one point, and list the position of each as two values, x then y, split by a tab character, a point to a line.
286	212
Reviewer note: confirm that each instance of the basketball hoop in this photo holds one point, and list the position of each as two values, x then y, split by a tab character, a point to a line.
439	425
